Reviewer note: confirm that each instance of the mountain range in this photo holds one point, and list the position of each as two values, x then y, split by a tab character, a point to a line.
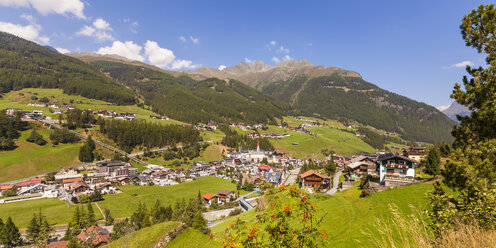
251	93
455	109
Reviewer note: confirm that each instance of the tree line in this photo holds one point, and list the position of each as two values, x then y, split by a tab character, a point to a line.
237	141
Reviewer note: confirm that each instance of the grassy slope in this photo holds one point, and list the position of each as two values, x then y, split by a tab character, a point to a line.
14	100
120	205
31	159
348	215
146	237
193	238
212	153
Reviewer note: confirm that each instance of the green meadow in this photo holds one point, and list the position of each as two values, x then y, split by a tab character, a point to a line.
30	159
146	237
121	204
351	219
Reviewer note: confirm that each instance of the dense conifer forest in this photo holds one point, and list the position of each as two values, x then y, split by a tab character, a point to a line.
24	64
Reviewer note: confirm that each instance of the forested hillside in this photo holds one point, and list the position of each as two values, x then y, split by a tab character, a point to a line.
186	99
24	64
353	99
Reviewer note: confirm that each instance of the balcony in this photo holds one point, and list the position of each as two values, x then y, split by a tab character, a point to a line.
397	166
398	177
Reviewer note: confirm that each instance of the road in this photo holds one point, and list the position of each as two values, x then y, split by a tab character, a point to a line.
335	184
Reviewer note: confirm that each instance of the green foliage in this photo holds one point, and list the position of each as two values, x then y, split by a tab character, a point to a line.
9	234
330	167
433	162
63	136
35	137
28	65
129	134
9	130
290	220
372	138
238	141
39	232
108	217
86	151
471	170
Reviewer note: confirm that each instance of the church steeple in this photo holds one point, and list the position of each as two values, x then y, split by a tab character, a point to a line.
258	145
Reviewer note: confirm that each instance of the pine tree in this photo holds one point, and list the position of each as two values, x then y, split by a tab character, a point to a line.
45	234
76	219
330	167
9	235
68	232
108	217
433	162
33	229
90	216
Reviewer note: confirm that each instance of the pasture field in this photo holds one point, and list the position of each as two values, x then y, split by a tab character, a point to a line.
30	159
146	237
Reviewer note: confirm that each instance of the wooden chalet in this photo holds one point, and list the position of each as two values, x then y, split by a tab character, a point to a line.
313	179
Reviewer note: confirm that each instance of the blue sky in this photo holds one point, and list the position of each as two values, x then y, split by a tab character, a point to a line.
411	48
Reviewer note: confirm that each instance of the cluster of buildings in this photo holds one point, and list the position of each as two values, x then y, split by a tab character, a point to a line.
163	118
268	135
388	169
222	197
244	127
211	126
69	183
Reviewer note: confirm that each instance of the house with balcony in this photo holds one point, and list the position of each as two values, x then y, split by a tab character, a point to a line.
396	170
313	179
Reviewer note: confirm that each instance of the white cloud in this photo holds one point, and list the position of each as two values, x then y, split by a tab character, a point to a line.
101	24
133	27
463	64
182	39
126	49
271	44
282	50
86	31
194	40
310	44
46	7
179	64
29	32
157	55
249	61
286	57
99	30
222	67
62	50
275	60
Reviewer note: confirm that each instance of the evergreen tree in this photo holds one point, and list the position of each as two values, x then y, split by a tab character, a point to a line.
108	217
35	137
68	232
90	215
33	229
9	235
85	154
76	219
433	162
330	167
45	234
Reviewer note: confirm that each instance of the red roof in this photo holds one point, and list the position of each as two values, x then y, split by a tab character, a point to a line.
33	181
58	244
312	172
263	167
208	196
99	234
6	187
